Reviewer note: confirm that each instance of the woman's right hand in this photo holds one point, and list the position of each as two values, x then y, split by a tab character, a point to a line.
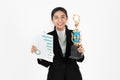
33	49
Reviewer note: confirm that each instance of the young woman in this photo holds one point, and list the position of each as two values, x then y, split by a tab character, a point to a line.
62	67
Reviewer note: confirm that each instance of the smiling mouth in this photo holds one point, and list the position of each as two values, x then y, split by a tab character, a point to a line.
60	24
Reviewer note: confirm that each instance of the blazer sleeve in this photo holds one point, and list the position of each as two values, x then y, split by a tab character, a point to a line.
81	58
44	62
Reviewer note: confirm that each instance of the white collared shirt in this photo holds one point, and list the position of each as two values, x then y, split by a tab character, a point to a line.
62	40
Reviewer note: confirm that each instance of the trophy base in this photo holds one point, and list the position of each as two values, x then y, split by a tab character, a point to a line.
74	53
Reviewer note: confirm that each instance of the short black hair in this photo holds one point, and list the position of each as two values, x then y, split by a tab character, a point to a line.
58	9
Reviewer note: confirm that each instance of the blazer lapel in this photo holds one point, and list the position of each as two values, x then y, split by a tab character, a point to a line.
69	42
57	48
56	44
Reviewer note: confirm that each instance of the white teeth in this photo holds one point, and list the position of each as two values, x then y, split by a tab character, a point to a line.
60	24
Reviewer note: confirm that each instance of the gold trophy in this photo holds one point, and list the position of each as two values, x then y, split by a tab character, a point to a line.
75	38
76	32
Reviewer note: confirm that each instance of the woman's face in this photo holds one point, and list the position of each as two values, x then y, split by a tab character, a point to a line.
59	20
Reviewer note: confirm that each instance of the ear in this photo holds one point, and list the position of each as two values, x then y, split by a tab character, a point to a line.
67	18
52	22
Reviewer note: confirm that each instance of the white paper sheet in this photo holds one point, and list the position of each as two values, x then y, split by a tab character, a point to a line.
44	44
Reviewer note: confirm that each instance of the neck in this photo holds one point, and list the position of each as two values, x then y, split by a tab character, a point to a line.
60	29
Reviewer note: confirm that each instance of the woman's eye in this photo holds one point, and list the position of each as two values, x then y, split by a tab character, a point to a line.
56	17
63	17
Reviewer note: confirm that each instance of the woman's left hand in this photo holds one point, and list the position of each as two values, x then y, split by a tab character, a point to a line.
80	49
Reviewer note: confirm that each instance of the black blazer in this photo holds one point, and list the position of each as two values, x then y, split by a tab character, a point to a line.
62	68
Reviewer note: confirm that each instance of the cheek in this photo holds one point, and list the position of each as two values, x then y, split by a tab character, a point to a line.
65	21
53	21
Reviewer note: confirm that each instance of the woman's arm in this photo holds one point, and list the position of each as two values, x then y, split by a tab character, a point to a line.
81	58
81	52
44	62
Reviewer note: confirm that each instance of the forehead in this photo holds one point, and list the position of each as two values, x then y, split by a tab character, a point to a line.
59	13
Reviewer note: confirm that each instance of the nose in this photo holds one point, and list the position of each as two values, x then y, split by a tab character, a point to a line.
59	20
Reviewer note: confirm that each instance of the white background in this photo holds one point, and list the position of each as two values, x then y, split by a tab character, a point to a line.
22	20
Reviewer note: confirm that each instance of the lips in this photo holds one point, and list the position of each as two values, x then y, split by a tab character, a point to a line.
60	24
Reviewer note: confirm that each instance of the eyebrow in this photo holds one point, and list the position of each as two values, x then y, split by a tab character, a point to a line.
61	15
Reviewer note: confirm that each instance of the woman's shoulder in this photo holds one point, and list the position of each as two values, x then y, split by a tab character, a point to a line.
69	30
50	33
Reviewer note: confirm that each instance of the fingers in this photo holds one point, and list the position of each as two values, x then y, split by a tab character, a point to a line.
33	49
81	49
